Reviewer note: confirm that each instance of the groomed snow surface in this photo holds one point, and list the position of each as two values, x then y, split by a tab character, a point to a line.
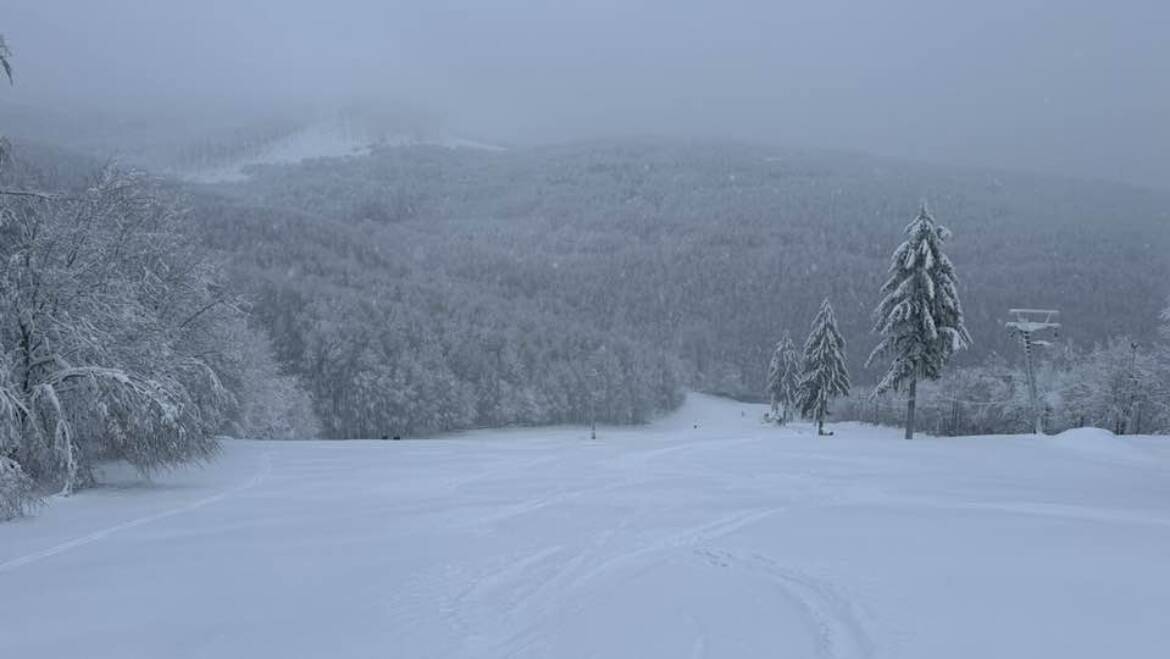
729	539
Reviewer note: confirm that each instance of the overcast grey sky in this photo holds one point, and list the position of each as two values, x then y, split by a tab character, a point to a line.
1078	87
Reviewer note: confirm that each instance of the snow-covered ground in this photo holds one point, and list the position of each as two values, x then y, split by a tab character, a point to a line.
729	539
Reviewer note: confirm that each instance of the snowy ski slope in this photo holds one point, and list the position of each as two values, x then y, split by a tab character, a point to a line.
729	539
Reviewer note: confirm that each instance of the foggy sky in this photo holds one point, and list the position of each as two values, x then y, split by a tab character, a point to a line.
1076	87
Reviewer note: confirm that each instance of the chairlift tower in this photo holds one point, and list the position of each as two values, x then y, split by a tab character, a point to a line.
1028	322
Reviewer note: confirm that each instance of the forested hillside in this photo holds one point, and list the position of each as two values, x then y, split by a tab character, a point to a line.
424	288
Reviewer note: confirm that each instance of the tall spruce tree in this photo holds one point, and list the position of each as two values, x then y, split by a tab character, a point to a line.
919	317
783	378
823	375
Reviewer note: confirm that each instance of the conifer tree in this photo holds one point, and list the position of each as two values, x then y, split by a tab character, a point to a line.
919	317
6	69
823	375
783	375
5	56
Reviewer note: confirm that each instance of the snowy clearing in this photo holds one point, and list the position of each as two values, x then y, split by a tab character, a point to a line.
729	539
321	140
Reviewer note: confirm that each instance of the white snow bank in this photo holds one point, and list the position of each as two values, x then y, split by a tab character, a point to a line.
1087	435
1100	444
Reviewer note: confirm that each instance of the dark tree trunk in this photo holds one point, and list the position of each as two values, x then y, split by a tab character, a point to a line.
911	402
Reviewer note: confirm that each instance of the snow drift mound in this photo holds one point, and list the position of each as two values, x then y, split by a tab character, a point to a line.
1099	443
1086	435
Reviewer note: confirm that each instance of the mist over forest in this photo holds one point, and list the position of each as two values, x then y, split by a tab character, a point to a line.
1067	87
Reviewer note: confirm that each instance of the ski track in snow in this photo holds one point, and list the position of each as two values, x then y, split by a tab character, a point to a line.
1031	509
676	450
692	536
528	590
525	613
509	590
835	619
257	478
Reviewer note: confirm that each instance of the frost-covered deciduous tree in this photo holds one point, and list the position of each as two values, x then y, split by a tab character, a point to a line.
100	298
1119	386
823	374
16	490
267	403
418	359
919	317
783	378
118	339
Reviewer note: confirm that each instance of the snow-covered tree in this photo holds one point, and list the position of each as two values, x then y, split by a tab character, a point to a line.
16	490
919	317
783	378
823	375
1163	396
775	379
5	59
1119	386
118	338
6	69
268	404
100	302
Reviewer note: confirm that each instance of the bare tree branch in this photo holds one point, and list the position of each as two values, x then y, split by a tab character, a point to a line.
32	193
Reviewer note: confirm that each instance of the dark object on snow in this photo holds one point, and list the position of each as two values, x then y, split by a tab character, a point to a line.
397	437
